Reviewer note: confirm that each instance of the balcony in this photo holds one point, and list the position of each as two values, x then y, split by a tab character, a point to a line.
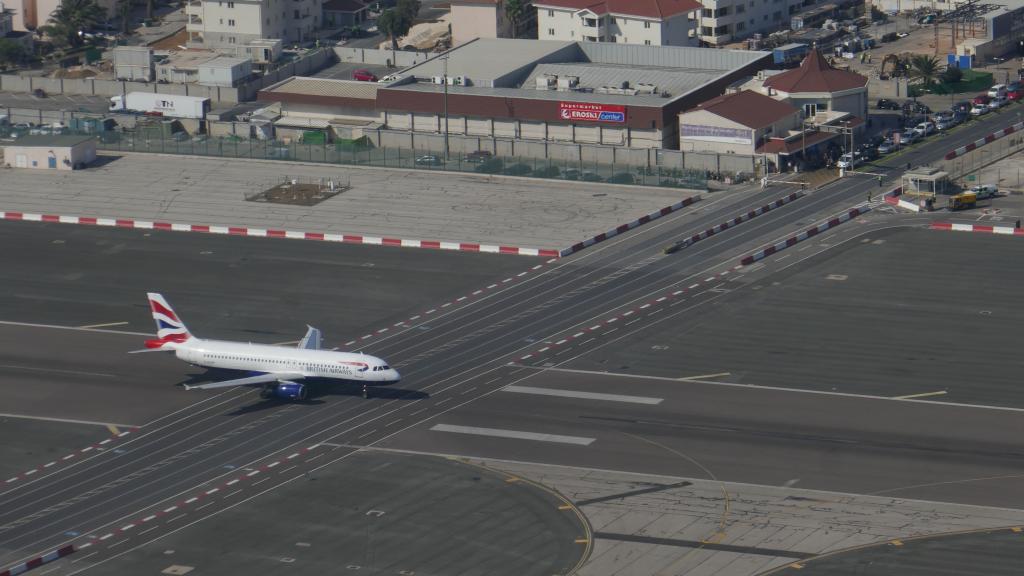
194	19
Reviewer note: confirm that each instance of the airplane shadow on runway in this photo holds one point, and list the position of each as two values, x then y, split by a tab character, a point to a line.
318	388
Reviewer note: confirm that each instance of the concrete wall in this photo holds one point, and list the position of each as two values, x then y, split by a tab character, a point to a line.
305	66
402	58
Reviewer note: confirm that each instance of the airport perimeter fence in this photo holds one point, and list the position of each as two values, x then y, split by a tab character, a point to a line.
971	167
354	154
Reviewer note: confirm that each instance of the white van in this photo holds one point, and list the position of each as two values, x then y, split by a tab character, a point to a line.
997	91
985	191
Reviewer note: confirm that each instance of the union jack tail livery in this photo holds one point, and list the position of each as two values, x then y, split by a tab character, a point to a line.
169	328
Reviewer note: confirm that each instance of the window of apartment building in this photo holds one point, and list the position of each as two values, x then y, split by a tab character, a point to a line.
722	30
231	4
268	21
612	20
647	42
222	21
231	22
810	110
551	31
707	13
751	21
765	18
722	12
590	22
741	26
647	25
590	39
296	14
777	15
740	8
551	13
231	40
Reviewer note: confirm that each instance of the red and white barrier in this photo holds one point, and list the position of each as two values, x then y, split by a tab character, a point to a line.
37	562
271	233
744	217
626	227
809	233
986	140
900	203
1007	230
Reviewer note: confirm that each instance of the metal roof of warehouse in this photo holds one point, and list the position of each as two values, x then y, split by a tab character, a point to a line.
675	81
325	87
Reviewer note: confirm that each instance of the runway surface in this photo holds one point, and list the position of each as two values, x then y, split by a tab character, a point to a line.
455	362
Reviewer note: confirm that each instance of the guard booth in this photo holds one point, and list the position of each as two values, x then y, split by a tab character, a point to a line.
924	183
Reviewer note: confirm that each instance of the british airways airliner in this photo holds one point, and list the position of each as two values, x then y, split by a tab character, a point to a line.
275	367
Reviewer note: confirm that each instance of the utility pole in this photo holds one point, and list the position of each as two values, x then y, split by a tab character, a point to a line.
447	155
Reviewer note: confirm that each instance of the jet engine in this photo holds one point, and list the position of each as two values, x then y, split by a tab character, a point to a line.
285	390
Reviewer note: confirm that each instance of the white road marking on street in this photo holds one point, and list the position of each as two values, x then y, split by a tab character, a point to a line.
789	483
55	371
583	395
232	482
107	325
705	376
514	434
922	395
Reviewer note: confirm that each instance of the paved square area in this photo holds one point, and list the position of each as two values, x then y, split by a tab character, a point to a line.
420	205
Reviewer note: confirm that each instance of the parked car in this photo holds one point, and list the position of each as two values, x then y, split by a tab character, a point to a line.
429	160
962	107
479	156
982	99
847	161
1014	95
997	91
925	128
945	120
868	152
983	191
886	104
364	75
886	147
39	93
909	137
997	103
913	107
979	110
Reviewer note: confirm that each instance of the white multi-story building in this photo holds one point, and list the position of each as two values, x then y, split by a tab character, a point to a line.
650	22
479	19
234	23
725	21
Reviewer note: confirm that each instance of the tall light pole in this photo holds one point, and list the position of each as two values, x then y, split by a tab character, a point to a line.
447	155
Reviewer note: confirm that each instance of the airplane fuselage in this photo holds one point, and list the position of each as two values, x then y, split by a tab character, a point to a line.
266	358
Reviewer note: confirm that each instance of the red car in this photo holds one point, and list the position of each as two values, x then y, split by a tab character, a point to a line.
1015	94
982	99
364	75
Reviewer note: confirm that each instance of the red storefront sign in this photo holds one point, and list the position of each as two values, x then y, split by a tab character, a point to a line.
573	111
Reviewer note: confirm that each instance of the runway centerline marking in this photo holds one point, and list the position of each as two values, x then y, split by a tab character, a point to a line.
583	395
513	434
704	376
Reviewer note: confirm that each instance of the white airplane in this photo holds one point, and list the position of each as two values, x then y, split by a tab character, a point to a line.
275	367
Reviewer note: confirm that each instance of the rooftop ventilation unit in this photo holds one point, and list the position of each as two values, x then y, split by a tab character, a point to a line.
438	79
547	82
616	90
643	88
568	83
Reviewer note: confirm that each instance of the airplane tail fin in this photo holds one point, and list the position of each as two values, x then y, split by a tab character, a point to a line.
169	327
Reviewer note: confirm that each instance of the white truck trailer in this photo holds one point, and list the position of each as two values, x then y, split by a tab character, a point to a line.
161	105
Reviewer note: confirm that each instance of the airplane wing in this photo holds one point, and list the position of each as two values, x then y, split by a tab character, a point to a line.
312	339
261	379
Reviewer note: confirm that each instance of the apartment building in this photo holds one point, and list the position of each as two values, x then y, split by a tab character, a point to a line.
725	21
648	22
232	23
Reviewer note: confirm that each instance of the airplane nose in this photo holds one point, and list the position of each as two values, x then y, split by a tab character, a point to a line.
395	376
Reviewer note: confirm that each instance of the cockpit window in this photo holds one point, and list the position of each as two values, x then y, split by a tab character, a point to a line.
384	367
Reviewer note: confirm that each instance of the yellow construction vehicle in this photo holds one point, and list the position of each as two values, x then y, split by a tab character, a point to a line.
963	201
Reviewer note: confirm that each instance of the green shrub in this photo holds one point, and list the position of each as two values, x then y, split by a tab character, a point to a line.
547	172
518	169
622	178
492	166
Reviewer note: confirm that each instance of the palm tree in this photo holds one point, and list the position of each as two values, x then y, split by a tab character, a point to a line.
124	10
924	68
515	10
72	17
394	24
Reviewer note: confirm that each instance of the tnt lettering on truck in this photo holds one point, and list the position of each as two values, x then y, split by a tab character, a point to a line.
164	104
592	112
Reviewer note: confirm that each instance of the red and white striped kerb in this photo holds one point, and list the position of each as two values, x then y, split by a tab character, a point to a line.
37	562
627	227
810	232
744	217
986	140
272	233
1007	230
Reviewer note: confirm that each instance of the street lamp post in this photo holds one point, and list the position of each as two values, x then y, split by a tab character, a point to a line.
447	155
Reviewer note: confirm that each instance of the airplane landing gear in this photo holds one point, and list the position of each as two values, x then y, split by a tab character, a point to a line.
267	391
366	391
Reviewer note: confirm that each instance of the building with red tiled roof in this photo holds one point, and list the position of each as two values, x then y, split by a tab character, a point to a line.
649	22
819	89
736	123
